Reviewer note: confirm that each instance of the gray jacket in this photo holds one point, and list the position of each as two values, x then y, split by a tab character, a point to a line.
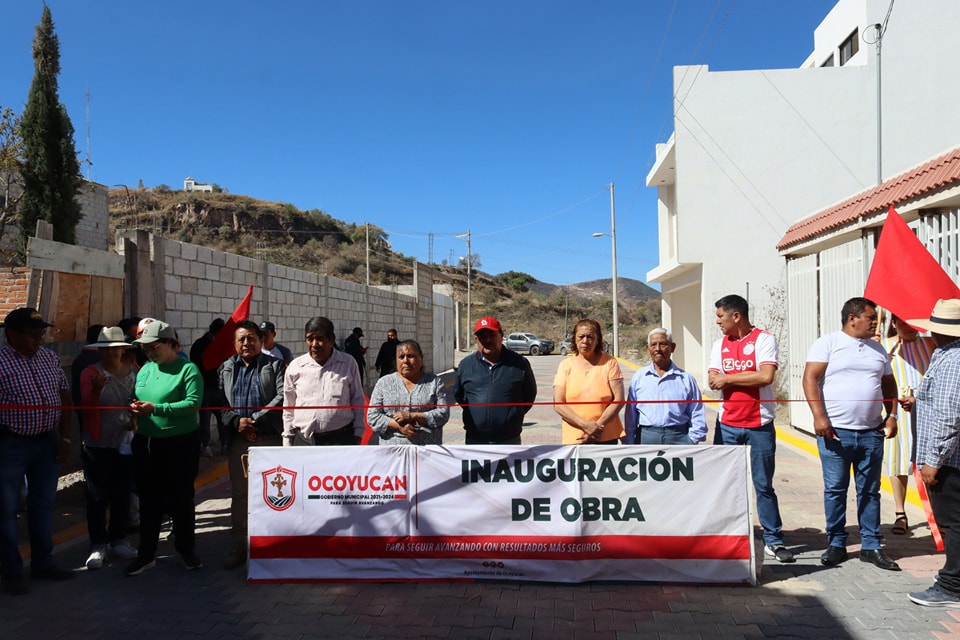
268	422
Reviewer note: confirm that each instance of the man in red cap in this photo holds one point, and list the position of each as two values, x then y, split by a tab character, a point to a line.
495	386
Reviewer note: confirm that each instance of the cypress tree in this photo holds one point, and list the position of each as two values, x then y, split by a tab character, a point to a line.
51	171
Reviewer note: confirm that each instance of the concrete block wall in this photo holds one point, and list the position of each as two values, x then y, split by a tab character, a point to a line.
197	284
92	230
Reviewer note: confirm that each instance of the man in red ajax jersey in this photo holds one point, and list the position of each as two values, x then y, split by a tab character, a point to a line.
742	366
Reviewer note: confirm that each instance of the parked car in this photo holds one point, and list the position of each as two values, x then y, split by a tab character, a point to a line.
528	343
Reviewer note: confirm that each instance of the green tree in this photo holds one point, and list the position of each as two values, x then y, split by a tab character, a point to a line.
516	280
11	167
51	171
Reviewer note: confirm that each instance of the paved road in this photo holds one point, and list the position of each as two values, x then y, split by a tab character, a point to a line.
802	600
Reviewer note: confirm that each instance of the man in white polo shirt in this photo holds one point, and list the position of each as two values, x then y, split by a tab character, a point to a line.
849	385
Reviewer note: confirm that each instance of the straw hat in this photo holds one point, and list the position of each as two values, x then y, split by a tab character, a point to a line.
945	318
110	337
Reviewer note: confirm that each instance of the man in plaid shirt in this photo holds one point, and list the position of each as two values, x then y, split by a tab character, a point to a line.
34	437
937	454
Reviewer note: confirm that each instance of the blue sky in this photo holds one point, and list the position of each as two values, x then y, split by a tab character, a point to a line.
505	117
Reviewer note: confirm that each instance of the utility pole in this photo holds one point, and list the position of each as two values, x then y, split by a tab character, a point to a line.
616	305
469	269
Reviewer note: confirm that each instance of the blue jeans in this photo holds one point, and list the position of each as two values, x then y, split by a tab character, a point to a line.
763	461
36	458
863	450
664	435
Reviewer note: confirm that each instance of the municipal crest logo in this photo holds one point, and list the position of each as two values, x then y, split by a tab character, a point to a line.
747	349
279	488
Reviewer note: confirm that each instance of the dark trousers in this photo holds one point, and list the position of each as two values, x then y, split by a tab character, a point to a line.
339	437
478	439
107	476
36	458
165	470
238	483
210	400
945	501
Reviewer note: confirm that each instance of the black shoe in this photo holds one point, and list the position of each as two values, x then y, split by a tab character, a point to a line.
833	556
50	573
14	585
140	565
879	559
192	561
236	558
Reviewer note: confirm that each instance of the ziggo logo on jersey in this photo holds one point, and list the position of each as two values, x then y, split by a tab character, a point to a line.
730	364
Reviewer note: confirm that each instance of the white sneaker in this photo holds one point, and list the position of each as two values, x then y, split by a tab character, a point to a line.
96	557
123	550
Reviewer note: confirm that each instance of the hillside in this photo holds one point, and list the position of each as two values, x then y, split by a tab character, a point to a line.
314	241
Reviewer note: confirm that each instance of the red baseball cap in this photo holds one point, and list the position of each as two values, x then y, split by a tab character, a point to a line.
488	322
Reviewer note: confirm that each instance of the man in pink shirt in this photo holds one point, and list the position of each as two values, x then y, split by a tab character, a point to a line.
327	378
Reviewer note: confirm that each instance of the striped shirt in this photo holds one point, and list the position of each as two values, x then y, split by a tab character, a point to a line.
938	410
32	382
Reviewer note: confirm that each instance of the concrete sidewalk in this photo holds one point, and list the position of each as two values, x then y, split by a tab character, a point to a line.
801	600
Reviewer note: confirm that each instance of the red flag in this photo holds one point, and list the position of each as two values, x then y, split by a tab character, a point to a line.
904	278
222	346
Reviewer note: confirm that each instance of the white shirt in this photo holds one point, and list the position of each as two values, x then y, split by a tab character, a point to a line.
850	387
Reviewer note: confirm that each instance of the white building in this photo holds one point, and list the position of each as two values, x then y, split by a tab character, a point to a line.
829	254
753	151
189	184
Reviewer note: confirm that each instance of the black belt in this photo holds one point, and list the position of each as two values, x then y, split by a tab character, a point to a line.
677	427
7	432
331	435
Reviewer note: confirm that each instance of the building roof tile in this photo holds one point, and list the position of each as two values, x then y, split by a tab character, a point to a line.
936	174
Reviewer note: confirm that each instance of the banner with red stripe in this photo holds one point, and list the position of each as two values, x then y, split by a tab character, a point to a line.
558	513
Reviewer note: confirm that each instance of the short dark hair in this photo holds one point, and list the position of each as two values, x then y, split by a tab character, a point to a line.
249	325
854	307
216	325
129	323
93	333
733	302
319	324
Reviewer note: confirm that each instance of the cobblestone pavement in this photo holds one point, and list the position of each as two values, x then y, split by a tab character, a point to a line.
801	600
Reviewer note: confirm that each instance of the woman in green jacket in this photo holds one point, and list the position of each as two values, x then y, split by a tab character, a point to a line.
166	447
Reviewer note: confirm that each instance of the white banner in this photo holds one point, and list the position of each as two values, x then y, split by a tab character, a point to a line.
548	513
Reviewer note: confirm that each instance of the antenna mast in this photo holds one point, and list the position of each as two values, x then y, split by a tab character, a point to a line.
87	160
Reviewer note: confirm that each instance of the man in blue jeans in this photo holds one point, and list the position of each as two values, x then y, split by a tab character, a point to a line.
742	366
31	444
849	385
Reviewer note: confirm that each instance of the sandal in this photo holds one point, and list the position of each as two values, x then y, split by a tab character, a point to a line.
900	524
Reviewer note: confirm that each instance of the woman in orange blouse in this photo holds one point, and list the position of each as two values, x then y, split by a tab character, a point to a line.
594	378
